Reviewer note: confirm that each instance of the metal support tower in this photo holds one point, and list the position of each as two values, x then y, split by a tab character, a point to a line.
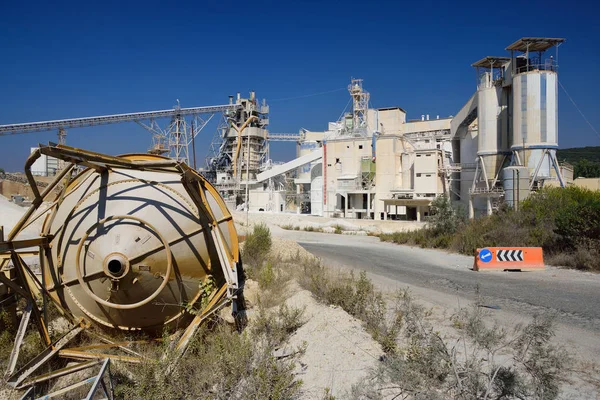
360	106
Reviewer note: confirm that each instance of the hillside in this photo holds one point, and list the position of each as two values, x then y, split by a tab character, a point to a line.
575	154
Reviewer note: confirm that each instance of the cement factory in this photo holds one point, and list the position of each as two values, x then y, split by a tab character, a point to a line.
374	163
128	240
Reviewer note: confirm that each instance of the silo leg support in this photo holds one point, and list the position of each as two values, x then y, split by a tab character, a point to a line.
229	268
14	354
29	368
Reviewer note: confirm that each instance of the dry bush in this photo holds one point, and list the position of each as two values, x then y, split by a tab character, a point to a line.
220	363
257	244
485	362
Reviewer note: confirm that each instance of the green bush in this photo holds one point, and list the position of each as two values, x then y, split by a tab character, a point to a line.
565	222
257	244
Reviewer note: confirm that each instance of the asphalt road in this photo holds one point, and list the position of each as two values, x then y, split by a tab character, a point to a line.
573	296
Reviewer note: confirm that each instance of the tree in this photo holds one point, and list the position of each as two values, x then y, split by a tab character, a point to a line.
587	169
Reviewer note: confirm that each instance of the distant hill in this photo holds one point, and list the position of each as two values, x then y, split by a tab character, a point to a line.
586	160
575	154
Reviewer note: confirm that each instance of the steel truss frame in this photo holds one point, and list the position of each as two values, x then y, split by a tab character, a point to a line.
11	248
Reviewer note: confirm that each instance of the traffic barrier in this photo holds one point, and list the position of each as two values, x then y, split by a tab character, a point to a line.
509	258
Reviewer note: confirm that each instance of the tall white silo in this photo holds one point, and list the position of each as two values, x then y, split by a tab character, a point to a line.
535	107
492	116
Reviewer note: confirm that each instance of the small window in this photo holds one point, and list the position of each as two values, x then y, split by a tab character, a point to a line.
337	160
347	147
426	140
428	175
418	175
428	155
418	155
360	146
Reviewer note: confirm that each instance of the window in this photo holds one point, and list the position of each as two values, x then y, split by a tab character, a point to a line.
418	175
360	146
428	155
418	155
428	175
337	160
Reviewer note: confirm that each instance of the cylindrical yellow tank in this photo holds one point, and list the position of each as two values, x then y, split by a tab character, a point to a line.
130	250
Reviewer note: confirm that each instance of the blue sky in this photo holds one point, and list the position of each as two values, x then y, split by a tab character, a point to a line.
63	60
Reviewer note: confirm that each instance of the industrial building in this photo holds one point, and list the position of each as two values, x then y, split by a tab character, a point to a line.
374	163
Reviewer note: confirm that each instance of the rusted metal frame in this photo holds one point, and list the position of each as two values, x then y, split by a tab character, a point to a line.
99	381
58	373
43	290
193	326
195	189
119	345
110	345
22	281
39	198
85	157
6	256
14	286
14	354
66	389
44	299
16	379
82	355
192	186
20	244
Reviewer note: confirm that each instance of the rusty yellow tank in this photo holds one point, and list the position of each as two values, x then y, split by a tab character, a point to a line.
137	248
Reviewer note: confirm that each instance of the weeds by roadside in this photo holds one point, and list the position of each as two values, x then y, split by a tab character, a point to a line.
564	222
485	362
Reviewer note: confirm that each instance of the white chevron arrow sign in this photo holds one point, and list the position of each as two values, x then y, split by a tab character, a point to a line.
509	255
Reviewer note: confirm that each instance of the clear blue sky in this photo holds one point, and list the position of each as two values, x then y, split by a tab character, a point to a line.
63	60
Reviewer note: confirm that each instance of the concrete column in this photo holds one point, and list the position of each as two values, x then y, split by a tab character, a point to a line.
346	205
418	213
368	205
298	199
385	210
489	205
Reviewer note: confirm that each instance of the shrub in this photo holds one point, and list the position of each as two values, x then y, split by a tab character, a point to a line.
257	244
565	222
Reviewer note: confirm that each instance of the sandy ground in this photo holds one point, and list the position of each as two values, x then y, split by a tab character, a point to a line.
338	352
583	344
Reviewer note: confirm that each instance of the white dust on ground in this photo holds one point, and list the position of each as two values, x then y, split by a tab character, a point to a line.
11	213
337	351
303	221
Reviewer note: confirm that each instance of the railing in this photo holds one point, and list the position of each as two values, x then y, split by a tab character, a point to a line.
494	191
549	65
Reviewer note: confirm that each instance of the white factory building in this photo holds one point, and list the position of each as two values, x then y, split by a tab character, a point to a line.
374	164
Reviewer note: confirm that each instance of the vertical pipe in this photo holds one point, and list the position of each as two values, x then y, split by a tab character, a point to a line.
194	146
